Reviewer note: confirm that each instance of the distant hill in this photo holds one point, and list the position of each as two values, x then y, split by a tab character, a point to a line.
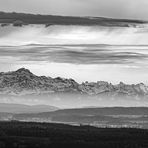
19	19
106	111
102	111
19	108
99	117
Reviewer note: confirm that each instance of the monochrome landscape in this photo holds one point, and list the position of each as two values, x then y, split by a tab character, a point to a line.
74	78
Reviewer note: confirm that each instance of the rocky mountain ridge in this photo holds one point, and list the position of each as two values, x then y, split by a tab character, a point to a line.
22	82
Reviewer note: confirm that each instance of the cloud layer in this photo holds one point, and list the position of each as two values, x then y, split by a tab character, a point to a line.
77	54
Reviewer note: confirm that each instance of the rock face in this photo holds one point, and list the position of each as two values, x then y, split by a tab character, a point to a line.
23	82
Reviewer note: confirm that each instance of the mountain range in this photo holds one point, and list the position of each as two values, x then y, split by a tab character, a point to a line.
24	84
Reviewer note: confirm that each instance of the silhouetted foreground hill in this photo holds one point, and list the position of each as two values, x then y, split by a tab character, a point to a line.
19	19
36	135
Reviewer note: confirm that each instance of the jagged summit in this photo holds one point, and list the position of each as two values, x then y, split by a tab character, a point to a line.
23	70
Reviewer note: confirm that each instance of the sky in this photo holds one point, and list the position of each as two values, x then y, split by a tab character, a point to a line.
83	53
68	55
134	9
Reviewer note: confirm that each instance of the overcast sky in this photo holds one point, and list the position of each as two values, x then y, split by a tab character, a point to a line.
110	8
